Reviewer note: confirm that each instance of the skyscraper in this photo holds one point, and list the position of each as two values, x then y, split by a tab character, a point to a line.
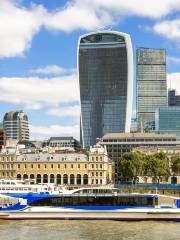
168	120
173	98
105	68
16	126
151	85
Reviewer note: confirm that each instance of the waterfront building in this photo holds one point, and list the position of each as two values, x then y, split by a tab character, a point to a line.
173	98
72	168
2	138
170	151
105	69
151	86
119	143
168	120
8	156
63	143
16	125
101	169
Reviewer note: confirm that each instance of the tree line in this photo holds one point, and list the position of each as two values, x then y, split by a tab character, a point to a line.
135	164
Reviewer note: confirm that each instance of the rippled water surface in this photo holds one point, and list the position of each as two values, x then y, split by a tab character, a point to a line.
88	230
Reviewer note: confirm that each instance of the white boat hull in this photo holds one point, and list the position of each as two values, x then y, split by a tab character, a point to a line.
142	214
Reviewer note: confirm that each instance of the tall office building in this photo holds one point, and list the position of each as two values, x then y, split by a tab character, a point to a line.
173	98
16	125
168	120
151	85
105	67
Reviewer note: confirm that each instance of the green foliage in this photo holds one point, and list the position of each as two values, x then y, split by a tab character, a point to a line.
131	165
175	164
157	166
134	164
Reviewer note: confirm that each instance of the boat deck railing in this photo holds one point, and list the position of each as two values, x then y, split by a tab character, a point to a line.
151	186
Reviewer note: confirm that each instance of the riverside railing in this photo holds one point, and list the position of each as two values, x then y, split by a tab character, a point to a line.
160	186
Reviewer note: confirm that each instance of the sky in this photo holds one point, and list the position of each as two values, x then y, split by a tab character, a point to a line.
38	53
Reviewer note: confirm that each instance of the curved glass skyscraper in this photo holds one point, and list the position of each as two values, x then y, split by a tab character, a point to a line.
105	68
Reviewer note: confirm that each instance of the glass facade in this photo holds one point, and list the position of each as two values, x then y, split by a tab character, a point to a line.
103	78
151	85
173	98
168	120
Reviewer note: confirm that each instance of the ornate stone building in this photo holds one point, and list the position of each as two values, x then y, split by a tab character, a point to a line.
91	168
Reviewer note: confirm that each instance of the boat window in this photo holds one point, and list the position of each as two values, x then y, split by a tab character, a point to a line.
89	200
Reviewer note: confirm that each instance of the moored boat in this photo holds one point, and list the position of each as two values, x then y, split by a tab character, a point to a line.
96	203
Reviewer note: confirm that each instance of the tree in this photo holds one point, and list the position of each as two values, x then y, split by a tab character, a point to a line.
131	165
157	166
175	164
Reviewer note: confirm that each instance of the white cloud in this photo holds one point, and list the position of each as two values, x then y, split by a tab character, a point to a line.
34	92
173	81
51	69
18	24
44	132
78	15
67	111
17	27
94	14
143	8
169	29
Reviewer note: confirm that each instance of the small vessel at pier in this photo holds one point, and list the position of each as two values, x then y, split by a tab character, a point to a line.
20	188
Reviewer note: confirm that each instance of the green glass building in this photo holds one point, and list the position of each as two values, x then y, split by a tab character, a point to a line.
168	120
151	86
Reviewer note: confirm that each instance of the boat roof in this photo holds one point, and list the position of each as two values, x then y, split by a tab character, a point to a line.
114	190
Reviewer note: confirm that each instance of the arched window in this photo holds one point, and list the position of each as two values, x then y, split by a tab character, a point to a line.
65	179
85	179
45	178
173	180
79	179
19	177
52	178
38	179
72	179
58	179
32	178
25	176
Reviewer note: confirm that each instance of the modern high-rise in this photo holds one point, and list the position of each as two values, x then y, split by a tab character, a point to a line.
15	123
173	98
168	120
105	68
151	85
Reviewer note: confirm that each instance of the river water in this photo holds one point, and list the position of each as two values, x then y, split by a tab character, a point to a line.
88	230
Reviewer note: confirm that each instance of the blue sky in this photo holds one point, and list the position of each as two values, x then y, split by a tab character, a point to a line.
38	51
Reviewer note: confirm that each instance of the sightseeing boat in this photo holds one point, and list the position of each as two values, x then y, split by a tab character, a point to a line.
94	203
24	189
